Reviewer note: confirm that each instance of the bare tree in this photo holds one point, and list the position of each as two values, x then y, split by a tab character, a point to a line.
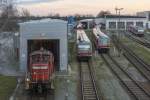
8	8
8	11
78	15
87	15
25	13
54	15
102	13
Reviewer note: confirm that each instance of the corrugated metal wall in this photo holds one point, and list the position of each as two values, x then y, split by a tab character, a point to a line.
47	30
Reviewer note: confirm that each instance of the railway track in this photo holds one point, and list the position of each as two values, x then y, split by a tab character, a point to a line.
136	61
38	97
147	36
87	82
47	95
134	88
141	41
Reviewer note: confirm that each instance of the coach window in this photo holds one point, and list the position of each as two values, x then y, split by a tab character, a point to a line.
112	25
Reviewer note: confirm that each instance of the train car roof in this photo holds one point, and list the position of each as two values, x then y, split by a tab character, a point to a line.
82	36
79	25
98	32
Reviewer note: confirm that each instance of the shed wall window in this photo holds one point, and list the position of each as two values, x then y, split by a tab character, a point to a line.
140	24
112	25
121	25
129	23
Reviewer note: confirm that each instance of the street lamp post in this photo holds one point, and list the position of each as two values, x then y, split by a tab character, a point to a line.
119	35
118	10
105	21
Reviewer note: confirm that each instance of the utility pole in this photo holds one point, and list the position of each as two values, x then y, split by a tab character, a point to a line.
105	21
118	11
119	34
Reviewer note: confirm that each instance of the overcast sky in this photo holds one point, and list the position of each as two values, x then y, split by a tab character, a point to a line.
70	7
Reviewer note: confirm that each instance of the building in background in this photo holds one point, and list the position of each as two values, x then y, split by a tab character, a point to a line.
114	22
147	15
87	23
49	34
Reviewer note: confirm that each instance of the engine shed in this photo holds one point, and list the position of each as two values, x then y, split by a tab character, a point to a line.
50	34
121	22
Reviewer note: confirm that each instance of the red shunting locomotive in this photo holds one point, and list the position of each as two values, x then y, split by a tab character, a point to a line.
41	70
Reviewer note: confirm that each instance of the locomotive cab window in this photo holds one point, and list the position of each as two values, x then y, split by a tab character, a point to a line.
47	45
40	58
84	47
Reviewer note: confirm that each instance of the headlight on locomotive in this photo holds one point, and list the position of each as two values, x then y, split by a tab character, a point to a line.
27	79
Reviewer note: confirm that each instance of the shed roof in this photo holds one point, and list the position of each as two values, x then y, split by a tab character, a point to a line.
43	27
121	16
48	20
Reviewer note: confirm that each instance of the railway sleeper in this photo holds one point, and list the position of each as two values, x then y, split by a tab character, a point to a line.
88	89
89	86
89	92
87	82
90	98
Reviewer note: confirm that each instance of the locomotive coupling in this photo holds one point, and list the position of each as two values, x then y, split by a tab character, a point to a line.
27	83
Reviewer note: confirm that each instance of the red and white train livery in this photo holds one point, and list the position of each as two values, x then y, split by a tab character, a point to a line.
101	40
137	31
41	70
84	46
